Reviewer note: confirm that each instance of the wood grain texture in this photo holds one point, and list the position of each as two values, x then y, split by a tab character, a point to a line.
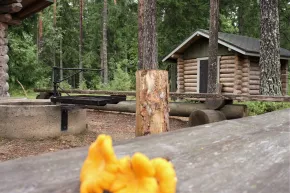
190	81
190	61
152	93
190	64
190	72
180	75
190	68
244	155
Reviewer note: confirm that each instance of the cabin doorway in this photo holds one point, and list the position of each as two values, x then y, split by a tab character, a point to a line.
203	75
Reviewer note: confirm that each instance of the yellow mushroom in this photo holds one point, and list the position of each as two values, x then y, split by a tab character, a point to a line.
135	176
99	169
165	175
103	172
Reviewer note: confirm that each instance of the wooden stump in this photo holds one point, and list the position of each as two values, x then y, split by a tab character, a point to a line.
235	111
152	93
201	117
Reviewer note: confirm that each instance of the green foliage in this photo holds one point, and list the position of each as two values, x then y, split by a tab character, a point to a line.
43	82
176	20
257	108
23	64
65	85
122	80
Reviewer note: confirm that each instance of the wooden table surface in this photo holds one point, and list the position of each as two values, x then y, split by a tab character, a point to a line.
249	155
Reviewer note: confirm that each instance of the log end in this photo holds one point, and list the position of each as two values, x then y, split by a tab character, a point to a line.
201	117
215	103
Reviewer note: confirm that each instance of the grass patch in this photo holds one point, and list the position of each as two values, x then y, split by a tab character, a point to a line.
258	108
20	94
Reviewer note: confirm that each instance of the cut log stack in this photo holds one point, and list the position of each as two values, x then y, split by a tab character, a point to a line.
245	63
227	73
180	78
284	77
238	75
7	7
190	76
254	83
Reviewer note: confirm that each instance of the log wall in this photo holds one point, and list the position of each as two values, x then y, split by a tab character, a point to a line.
4	86
254	81
238	75
227	74
243	75
284	76
180	78
190	75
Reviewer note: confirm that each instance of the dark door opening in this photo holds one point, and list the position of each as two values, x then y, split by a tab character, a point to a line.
203	74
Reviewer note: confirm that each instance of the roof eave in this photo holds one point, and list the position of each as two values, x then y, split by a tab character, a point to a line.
241	51
204	35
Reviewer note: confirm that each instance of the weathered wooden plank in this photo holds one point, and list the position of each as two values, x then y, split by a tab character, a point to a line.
244	155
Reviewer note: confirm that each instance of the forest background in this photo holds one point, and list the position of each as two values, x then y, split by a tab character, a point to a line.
52	38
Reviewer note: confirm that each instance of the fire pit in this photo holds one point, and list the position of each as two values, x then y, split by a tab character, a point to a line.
34	119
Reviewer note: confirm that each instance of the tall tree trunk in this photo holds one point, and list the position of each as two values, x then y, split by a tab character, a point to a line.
4	59
81	43
213	46
241	19
39	35
150	40
140	33
270	49
105	43
54	30
152	87
60	59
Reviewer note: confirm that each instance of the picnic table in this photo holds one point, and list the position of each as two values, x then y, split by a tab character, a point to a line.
248	155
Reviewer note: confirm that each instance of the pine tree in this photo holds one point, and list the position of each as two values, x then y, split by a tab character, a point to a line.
213	46
270	83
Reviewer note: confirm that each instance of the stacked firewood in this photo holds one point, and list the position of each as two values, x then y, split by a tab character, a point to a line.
8	7
190	75
245	63
284	78
228	73
254	78
180	73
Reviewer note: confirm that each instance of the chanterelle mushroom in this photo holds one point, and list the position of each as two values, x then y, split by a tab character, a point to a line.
102	172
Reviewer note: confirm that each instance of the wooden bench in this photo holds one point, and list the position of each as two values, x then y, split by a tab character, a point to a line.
237	156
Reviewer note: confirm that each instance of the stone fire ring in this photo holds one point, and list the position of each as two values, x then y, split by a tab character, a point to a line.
37	119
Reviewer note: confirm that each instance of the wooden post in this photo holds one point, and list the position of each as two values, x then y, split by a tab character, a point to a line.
152	86
4	58
152	93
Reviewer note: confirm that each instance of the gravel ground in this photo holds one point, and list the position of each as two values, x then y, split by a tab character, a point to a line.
120	126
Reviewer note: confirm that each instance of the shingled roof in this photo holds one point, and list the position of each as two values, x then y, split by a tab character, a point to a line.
13	12
242	44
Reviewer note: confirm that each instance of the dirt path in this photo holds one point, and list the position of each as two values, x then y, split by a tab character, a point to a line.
120	126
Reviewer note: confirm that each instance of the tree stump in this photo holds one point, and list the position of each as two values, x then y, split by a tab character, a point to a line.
201	117
152	93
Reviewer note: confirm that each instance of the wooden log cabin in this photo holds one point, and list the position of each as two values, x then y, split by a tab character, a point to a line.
12	12
238	64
